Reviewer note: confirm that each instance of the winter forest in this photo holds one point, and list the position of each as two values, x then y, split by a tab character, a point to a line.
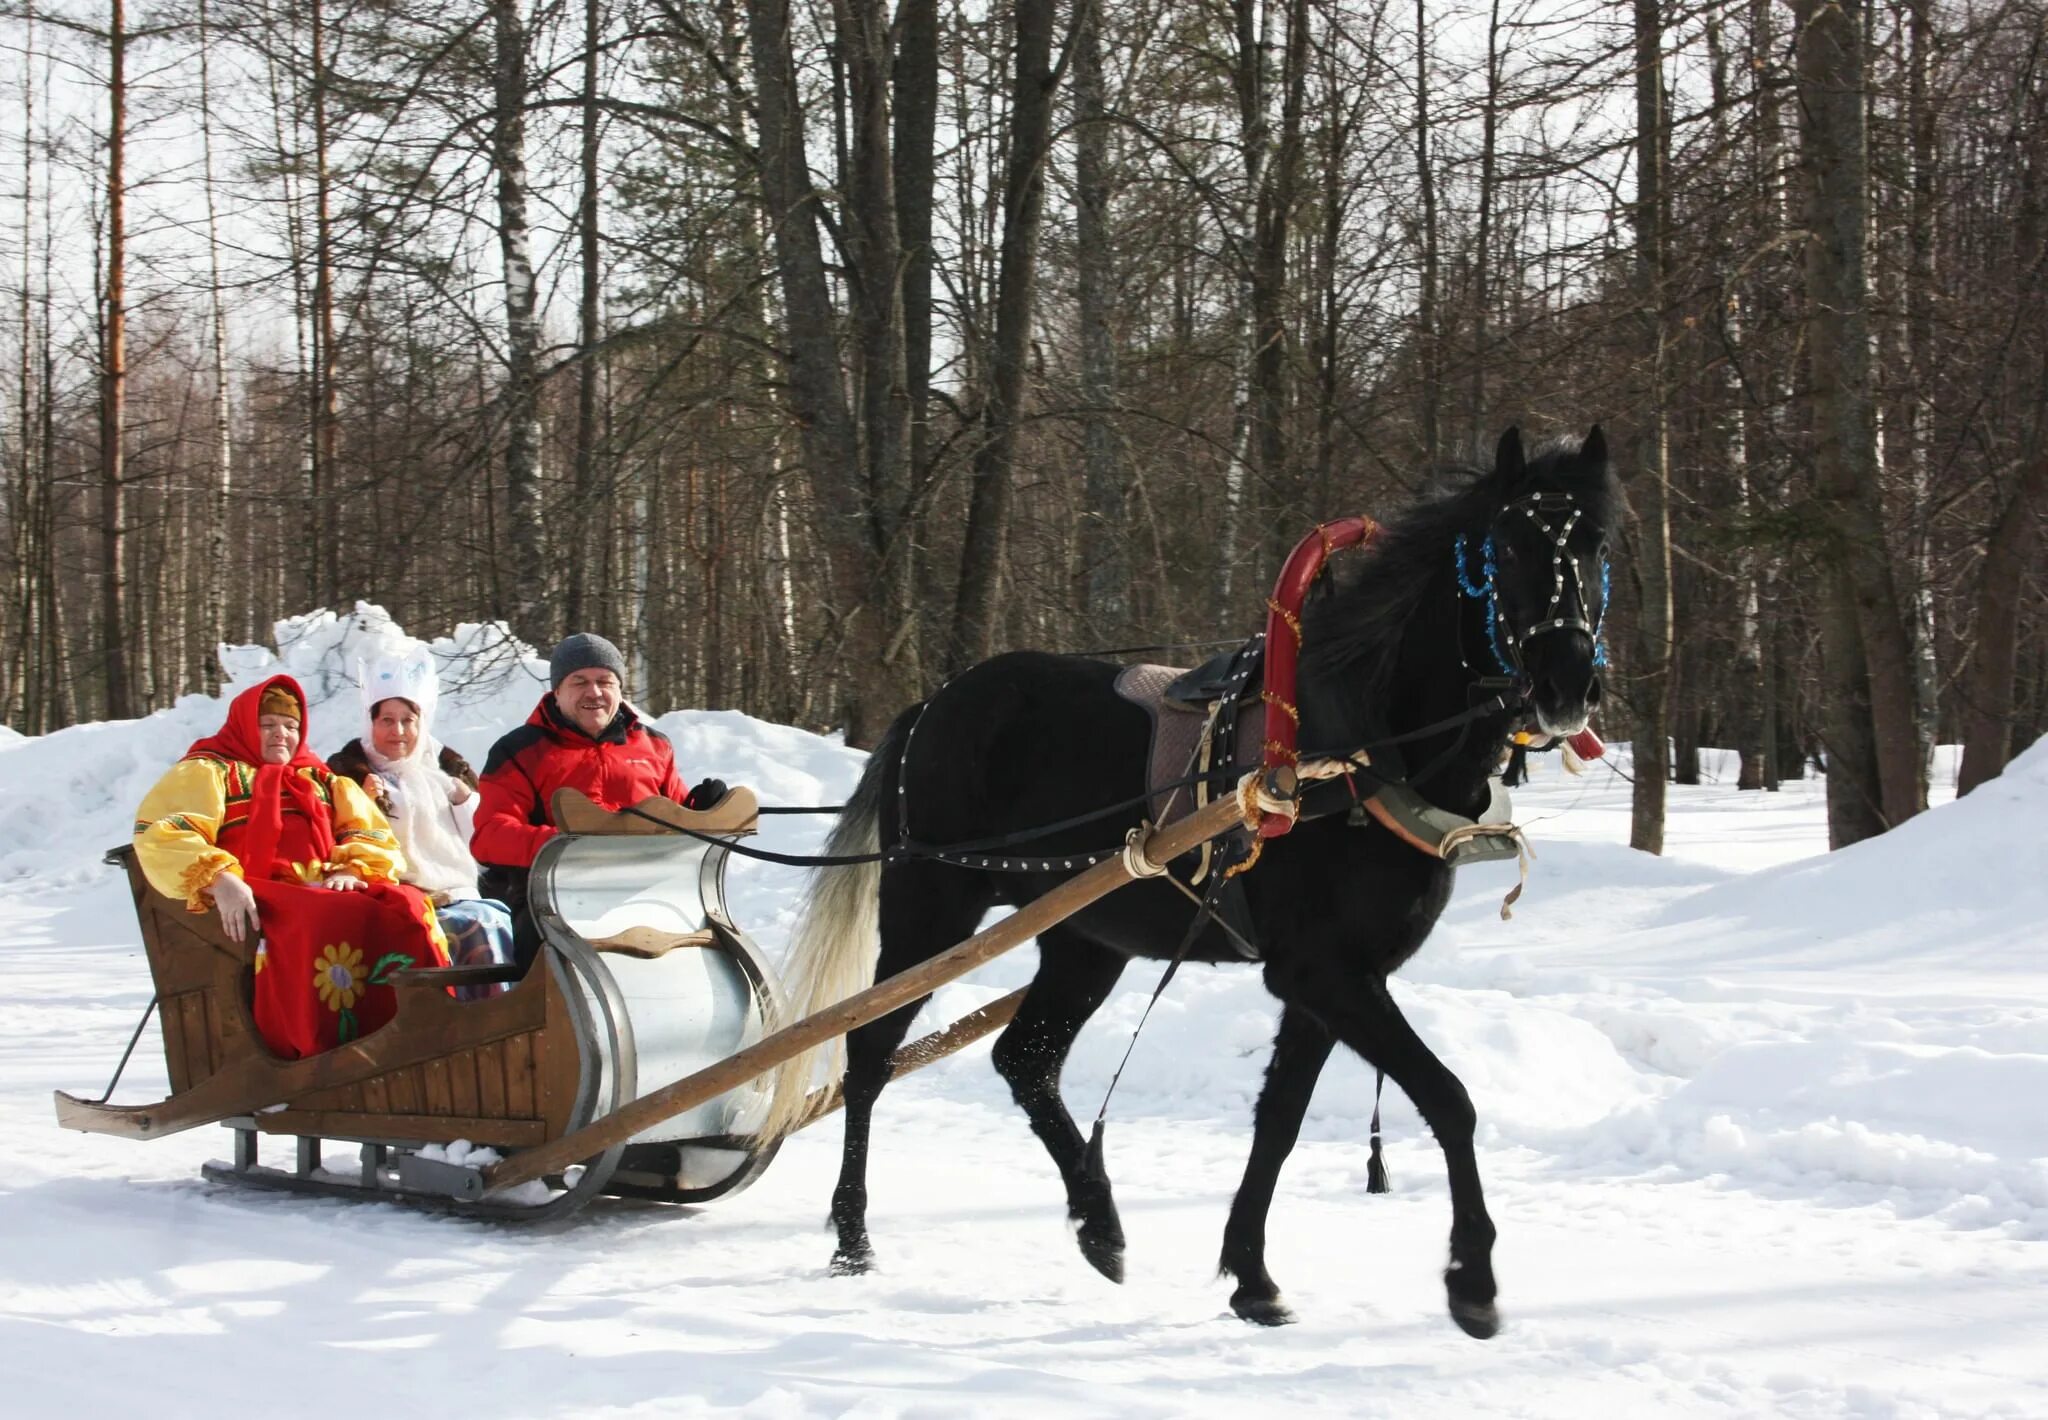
814	351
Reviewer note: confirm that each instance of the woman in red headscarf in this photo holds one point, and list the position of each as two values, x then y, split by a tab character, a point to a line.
251	823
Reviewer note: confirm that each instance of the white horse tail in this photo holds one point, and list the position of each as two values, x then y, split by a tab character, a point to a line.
832	954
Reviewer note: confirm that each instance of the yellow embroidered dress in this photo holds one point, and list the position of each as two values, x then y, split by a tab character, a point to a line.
325	958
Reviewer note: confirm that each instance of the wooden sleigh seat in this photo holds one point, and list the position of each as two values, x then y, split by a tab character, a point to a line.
515	1070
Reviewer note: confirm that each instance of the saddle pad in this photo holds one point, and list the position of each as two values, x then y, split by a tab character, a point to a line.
1177	736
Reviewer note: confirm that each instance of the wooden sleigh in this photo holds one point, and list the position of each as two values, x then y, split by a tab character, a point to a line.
643	975
626	1061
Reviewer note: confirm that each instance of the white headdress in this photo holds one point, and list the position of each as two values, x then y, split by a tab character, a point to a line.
409	675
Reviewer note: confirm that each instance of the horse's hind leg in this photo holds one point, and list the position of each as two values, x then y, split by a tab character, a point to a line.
1299	1051
925	909
1074	978
867	1071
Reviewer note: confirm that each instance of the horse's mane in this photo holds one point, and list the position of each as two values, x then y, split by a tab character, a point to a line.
1354	623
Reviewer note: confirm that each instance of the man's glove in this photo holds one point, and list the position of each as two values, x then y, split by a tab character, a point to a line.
705	795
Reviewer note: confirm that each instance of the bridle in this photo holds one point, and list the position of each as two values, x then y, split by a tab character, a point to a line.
1556	515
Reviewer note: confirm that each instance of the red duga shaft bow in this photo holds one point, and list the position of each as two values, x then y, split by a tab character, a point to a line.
1283	644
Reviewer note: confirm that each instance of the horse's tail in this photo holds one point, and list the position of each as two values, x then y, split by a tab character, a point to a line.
832	953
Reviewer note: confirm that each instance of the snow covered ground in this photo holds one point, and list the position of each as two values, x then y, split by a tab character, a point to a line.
1765	1132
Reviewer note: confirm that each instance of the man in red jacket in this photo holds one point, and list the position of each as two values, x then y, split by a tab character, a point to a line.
581	736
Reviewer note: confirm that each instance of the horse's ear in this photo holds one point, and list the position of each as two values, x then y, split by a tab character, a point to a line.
1508	466
1593	452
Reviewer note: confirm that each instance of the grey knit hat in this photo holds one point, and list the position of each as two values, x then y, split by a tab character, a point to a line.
582	652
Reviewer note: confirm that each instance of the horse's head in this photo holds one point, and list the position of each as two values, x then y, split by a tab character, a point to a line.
1540	566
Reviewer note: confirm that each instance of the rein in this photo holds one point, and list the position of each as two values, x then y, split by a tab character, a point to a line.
976	854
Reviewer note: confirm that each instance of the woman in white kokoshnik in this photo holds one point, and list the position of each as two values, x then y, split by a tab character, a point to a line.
428	792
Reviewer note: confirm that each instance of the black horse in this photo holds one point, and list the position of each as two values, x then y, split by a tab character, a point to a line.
1498	574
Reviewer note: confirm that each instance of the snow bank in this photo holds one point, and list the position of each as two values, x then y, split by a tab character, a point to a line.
1964	885
1872	1022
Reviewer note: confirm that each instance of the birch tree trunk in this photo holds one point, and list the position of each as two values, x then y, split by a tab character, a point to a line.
1920	354
324	534
60	686
1253	22
589	311
519	401
282	82
120	693
23	700
1337	130
1747	713
224	572
1482	242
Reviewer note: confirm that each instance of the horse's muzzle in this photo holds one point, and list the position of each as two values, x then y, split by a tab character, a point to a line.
1564	700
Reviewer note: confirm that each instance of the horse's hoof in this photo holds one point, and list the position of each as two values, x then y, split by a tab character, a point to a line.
1106	1257
853	1262
1263	1309
1479	1320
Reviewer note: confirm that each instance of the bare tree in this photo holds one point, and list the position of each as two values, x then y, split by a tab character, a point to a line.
816	394
1428	327
1988	687
1103	574
982	551
1650	489
1868	654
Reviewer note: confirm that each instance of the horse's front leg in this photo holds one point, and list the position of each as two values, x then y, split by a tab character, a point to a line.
1074	978
1365	1018
1299	1051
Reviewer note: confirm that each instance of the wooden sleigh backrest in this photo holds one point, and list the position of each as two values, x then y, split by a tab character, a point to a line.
201	981
734	816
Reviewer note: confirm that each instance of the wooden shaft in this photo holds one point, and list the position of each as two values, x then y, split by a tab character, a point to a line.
1162	846
927	1050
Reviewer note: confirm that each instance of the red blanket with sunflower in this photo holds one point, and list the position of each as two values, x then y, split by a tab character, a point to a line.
324	966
